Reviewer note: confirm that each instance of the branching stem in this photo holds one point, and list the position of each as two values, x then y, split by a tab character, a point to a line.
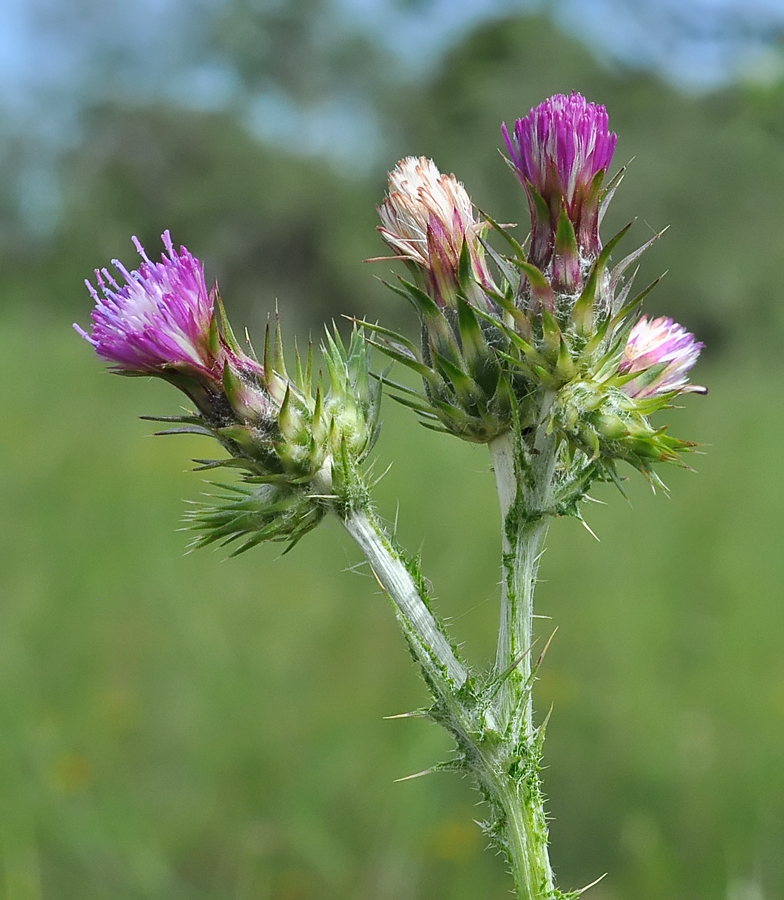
493	726
524	478
434	651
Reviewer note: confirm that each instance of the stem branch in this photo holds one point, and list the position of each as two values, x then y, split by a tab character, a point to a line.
434	651
524	479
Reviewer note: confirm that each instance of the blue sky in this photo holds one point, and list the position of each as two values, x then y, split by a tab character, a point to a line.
35	59
49	50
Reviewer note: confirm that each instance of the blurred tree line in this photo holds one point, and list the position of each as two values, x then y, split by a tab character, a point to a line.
283	219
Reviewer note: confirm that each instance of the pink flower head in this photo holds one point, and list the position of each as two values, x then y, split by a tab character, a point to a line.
660	342
426	217
159	319
558	150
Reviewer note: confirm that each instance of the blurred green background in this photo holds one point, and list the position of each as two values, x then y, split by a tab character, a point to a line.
180	725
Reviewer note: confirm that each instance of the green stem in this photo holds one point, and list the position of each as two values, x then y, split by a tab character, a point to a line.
495	737
524	478
526	838
433	650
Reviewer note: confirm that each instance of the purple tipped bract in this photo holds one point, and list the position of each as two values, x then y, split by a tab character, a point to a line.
660	343
558	150
160	318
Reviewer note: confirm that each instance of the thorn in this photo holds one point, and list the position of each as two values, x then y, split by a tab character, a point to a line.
587	886
414	714
594	500
590	530
250	345
357	567
415	775
383	475
546	648
508	671
375	575
542	728
535	616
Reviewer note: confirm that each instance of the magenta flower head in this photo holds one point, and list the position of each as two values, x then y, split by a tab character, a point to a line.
160	320
561	152
663	352
426	218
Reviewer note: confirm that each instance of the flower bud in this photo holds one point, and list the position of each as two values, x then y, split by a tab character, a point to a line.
427	218
607	425
663	352
561	152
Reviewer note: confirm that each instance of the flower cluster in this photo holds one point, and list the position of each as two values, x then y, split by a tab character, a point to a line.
540	353
554	318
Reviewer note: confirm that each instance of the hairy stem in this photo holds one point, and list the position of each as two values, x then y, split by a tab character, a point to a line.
433	650
524	478
492	725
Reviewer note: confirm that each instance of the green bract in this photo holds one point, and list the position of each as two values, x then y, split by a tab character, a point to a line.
529	351
297	445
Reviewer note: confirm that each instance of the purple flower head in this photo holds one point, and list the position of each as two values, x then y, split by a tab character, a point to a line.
561	151
663	344
426	218
159	319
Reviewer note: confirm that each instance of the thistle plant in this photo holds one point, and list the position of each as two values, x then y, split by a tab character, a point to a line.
537	349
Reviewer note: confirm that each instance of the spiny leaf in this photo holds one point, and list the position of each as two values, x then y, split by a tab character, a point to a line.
423	302
180	420
414	364
423	408
551	334
565	238
474	344
278	359
509	272
513	243
188	429
225	325
582	313
628	307
389	334
540	286
462	382
609	192
624	264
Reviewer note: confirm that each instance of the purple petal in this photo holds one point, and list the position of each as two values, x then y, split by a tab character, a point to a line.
159	317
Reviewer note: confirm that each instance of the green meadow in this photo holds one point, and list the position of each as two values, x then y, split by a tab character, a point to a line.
182	725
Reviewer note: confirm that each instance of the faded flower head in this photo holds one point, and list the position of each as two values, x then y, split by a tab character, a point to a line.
560	152
663	352
426	218
160	317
